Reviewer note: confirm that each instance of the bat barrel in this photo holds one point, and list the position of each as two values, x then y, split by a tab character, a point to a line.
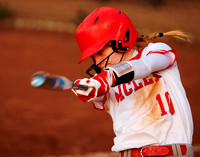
54	82
45	80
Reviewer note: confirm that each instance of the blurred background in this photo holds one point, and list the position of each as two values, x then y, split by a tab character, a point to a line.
40	35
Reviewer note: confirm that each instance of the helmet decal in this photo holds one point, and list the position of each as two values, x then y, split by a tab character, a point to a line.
96	20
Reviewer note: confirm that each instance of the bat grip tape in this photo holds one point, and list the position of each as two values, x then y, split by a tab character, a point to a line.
80	87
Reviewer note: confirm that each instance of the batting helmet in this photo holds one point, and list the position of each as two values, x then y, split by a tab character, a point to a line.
105	25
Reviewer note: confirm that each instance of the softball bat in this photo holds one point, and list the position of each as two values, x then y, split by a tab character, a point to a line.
46	80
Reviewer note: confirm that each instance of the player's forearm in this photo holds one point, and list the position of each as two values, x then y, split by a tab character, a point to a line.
151	63
127	71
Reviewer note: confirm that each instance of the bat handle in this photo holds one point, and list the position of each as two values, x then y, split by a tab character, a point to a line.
80	87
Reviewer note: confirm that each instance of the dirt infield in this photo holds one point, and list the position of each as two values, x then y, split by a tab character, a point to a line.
38	122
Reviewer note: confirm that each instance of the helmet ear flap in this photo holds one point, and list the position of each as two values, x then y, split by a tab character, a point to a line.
117	44
127	36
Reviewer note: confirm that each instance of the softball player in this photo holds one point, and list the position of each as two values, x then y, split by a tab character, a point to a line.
138	83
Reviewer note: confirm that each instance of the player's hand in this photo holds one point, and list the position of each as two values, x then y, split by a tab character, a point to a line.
89	94
99	85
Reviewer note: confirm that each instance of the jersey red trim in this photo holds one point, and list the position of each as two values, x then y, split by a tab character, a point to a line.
165	51
138	56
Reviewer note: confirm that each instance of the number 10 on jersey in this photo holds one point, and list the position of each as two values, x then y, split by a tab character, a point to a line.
169	102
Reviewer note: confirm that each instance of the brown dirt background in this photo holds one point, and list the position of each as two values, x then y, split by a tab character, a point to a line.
36	122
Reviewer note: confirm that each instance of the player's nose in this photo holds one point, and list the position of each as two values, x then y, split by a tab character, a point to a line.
97	59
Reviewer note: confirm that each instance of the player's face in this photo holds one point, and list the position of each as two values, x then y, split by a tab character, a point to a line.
101	55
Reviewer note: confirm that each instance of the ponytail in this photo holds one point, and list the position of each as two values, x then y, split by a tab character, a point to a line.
144	40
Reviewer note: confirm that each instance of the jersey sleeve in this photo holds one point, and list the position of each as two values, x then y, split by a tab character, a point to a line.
161	48
155	57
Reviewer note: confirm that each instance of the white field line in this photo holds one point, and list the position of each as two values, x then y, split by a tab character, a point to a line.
48	25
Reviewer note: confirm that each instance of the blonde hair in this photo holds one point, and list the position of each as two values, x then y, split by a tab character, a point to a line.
143	40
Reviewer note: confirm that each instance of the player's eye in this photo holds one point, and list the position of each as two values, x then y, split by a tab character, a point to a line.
99	52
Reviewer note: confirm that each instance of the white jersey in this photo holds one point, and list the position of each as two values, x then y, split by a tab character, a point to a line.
151	110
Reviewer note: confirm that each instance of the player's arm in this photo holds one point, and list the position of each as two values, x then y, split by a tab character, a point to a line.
136	69
122	73
151	63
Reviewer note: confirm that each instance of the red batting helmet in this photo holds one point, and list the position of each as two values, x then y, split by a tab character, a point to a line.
101	26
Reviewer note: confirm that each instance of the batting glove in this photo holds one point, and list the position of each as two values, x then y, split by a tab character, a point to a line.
99	85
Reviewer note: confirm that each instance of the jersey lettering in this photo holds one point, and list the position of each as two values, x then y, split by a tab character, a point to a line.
137	87
119	96
156	76
127	90
147	81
